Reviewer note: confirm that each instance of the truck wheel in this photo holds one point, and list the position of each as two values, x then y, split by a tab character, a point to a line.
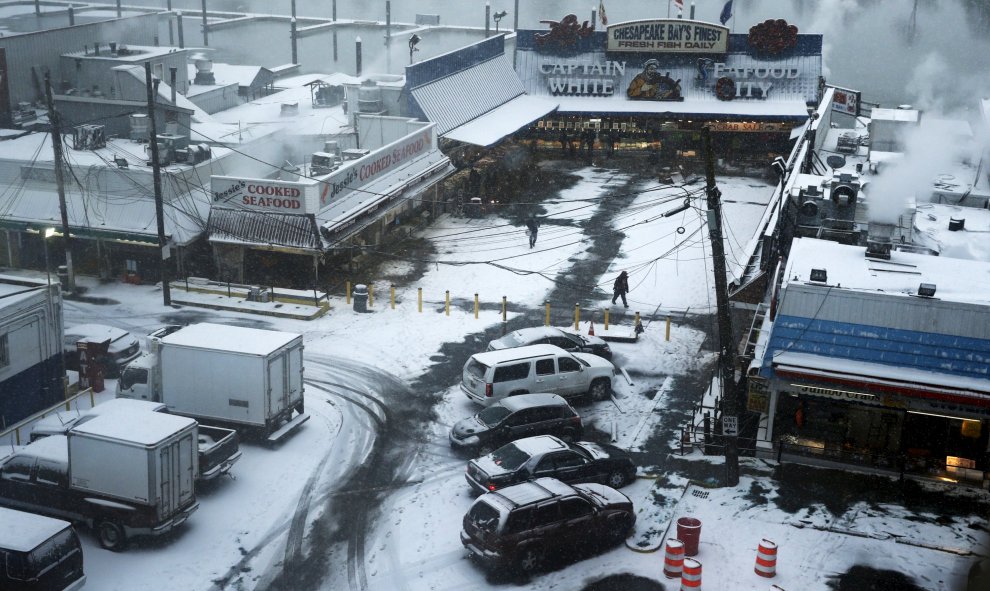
300	408
111	535
530	558
600	389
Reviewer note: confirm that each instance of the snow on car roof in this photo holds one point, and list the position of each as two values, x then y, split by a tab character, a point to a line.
23	532
96	332
237	339
54	449
493	357
539	444
533	491
518	401
141	427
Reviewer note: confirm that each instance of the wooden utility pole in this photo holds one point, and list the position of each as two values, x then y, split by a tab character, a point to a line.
156	171
726	357
56	127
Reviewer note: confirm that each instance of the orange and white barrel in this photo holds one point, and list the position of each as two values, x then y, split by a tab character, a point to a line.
673	558
691	575
766	559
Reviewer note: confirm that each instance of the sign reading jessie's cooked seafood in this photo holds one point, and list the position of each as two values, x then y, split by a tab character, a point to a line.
668	36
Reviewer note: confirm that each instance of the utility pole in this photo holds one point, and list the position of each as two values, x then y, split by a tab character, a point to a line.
60	184
726	357
156	171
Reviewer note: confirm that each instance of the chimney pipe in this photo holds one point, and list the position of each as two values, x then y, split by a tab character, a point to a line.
171	81
357	54
178	22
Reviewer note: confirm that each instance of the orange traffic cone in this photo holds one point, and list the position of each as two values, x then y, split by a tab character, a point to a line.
591	328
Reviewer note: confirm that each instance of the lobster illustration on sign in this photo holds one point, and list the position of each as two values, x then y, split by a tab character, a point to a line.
564	33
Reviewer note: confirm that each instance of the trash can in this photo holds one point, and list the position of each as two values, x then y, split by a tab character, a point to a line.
360	298
689	532
63	276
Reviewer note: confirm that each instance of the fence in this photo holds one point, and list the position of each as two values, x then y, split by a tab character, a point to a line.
17	433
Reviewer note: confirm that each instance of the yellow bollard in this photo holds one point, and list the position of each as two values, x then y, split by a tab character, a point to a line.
504	312
347	293
446	304
606	318
546	321
668	328
393	296
577	317
419	299
371	294
475	306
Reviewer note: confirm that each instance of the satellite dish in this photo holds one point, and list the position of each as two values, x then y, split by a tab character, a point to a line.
835	161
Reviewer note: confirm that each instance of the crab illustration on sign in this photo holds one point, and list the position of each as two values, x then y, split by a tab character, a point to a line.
564	33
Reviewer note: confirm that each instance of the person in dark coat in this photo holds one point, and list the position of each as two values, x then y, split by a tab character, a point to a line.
532	226
620	288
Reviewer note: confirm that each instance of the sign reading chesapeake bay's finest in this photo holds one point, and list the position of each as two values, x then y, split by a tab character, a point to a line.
668	36
376	165
579	78
263	195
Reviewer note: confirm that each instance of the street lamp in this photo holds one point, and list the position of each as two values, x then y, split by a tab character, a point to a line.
413	41
497	17
48	233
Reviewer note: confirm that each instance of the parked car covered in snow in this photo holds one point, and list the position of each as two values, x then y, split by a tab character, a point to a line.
521	525
546	455
514	418
551	335
124	347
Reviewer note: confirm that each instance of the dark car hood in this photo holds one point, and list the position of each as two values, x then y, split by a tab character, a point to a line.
469	426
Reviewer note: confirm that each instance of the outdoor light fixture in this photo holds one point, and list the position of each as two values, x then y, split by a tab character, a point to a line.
926	290
819	275
499	16
413	41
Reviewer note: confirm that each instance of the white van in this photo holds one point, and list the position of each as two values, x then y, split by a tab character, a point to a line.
492	375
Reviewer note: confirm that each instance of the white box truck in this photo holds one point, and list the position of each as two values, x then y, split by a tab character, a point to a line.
120	478
248	378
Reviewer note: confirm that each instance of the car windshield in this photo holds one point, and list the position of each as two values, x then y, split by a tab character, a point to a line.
509	457
513	340
493	415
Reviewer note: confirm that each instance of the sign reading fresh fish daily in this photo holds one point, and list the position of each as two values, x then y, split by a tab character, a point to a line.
668	36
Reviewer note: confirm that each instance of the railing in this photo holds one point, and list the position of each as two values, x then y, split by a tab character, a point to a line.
13	435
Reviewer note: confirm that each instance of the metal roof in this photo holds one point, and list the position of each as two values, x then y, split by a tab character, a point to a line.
239	226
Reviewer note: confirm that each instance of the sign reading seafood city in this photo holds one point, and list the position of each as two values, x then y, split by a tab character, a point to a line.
668	36
264	195
378	164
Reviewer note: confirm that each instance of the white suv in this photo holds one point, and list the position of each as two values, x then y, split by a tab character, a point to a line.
493	375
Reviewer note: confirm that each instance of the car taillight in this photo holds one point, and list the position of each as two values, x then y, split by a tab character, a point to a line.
489	391
491	487
576	420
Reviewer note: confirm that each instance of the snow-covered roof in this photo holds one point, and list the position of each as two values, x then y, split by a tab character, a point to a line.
225	74
127	53
900	115
236	339
847	267
307	119
932	225
137	426
23	532
54	449
501	121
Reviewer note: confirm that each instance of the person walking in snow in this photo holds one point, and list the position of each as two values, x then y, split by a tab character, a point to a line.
531	228
620	288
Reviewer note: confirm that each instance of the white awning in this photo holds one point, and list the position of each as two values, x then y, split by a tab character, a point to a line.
502	121
799	131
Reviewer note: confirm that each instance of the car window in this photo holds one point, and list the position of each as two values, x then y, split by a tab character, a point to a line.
545	514
575	508
543	413
484	517
568	364
476	369
545	465
568	459
132	376
544	367
520	417
563	342
493	415
508	373
519	520
17	469
509	457
50	473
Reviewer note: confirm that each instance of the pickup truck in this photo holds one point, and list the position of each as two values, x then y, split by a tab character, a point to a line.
219	448
119	481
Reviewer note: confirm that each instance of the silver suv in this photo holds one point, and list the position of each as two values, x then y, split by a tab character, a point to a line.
493	375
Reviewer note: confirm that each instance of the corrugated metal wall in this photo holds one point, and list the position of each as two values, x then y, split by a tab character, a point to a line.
30	55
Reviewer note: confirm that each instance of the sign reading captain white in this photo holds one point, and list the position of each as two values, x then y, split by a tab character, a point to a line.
375	165
668	36
582	78
262	195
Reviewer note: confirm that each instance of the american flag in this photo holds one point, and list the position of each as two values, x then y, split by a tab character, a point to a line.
601	12
679	4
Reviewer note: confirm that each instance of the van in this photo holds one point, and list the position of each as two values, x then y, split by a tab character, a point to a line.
38	553
493	375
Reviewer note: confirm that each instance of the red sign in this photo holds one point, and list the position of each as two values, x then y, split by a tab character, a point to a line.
379	163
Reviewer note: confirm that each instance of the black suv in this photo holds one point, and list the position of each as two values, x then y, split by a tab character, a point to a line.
545	455
521	525
516	417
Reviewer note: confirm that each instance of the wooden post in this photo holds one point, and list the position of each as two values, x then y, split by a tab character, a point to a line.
371	294
419	300
393	296
546	321
475	306
504	311
577	316
606	318
347	293
668	328
446	303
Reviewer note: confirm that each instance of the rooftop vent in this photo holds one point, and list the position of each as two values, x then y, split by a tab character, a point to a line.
926	290
878	240
819	275
845	189
204	72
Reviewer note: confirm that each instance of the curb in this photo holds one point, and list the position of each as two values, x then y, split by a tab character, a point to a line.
316	314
